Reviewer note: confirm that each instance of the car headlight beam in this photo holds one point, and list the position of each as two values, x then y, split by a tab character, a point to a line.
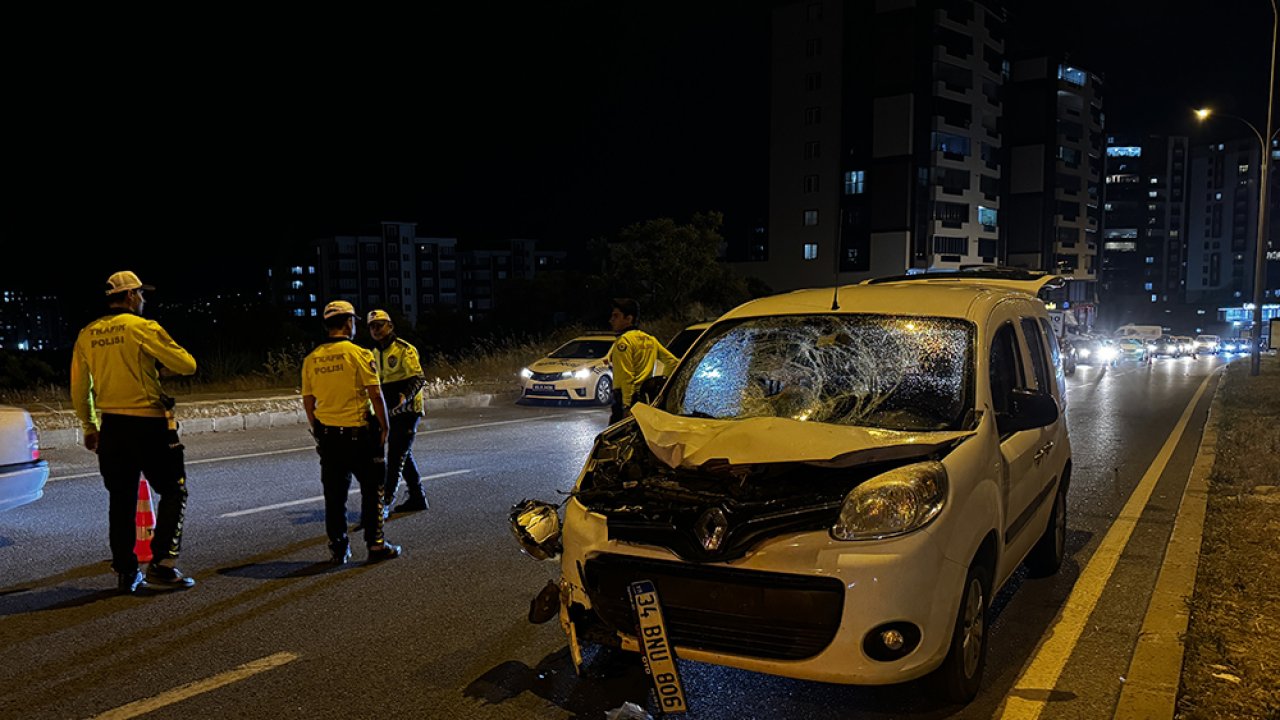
583	374
900	501
526	373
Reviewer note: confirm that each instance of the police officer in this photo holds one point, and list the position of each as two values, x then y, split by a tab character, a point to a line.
128	422
348	419
632	356
400	372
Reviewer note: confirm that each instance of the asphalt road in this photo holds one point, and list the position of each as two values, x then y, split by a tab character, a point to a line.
272	631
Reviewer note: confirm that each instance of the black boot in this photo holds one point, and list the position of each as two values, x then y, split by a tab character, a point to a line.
417	501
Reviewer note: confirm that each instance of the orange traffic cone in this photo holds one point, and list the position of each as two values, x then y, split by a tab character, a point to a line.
146	522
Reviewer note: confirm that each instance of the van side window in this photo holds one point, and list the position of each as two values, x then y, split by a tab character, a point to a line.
1055	351
1035	344
1006	368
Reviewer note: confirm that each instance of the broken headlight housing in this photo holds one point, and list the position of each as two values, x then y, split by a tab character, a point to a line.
900	501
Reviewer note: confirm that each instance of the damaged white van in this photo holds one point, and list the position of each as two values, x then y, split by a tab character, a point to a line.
831	486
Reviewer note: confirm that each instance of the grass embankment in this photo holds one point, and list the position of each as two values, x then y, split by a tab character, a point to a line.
489	366
1231	668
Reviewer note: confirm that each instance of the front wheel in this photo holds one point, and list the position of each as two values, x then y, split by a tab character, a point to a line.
960	675
604	391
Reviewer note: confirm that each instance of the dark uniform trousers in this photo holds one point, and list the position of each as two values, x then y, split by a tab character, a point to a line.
400	436
347	451
130	446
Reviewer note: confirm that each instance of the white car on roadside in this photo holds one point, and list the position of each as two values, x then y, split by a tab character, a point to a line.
574	372
829	493
22	472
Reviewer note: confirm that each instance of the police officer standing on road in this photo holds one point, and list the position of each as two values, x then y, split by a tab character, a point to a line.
128	422
400	372
348	418
632	356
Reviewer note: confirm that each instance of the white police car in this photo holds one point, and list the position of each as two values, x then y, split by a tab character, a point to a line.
22	472
830	491
573	372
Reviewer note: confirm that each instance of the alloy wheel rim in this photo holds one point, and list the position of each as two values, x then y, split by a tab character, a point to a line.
973	628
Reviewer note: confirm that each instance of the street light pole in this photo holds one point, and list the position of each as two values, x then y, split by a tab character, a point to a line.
1260	265
1264	141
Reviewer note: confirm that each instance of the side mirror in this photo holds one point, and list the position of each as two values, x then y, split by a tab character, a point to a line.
1028	410
650	388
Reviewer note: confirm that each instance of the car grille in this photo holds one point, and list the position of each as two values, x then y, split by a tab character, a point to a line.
777	616
547	377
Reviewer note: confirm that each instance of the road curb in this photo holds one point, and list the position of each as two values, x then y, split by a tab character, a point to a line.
226	416
1155	672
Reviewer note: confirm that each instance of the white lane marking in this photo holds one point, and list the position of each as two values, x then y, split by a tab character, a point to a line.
190	690
304	501
313	447
1040	674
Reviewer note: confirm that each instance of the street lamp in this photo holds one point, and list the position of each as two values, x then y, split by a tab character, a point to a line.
1264	140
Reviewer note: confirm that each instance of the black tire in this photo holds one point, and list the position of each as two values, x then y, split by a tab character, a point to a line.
1046	557
604	391
960	675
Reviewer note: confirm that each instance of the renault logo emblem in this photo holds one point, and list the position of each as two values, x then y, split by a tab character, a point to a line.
711	529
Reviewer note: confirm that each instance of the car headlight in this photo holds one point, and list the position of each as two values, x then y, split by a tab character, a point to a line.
1085	352
898	502
526	373
1107	353
566	374
583	374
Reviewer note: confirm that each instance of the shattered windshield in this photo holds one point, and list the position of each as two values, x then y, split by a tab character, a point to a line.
582	349
892	372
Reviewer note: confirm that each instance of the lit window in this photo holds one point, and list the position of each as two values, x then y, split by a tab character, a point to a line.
987	218
313	298
1153	193
298	312
296	284
1217	196
1244	169
313	312
1155	180
811	251
1108	207
1153	298
295	271
1072	75
810	217
853	181
1124	152
1151	260
1146	286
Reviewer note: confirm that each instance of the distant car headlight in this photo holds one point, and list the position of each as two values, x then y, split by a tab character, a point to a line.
526	373
1107	354
1085	352
583	374
898	502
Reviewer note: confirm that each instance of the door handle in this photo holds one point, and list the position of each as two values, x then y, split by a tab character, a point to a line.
1044	450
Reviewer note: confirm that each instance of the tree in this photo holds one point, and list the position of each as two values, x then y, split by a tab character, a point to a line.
668	267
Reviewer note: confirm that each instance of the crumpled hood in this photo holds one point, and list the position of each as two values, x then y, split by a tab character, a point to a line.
692	442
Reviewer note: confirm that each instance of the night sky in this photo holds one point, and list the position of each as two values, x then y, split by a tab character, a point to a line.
226	138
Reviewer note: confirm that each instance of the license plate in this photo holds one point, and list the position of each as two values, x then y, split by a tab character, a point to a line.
659	656
543	388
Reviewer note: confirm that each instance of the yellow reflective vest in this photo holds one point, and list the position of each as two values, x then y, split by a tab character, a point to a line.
113	368
337	374
633	356
400	371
